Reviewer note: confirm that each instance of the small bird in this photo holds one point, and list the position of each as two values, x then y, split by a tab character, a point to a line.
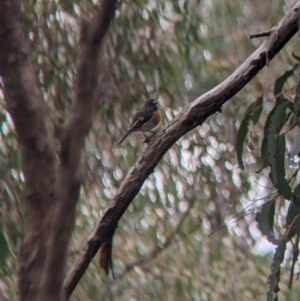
144	120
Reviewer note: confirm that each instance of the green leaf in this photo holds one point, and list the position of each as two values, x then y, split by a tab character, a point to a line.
253	113
277	119
241	136
293	211
273	125
67	6
281	81
274	122
277	173
296	106
265	220
257	109
296	196
4	247
271	122
179	289
274	277
264	145
2	121
297	191
295	56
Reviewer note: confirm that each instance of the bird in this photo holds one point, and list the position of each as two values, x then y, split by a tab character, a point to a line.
144	120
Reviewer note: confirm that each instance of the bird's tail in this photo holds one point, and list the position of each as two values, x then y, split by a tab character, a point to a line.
124	137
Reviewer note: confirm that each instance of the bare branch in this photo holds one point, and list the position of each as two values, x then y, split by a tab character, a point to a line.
27	109
189	118
260	34
154	253
72	136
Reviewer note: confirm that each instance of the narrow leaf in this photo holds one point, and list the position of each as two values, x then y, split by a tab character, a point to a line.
295	56
274	277
273	125
293	211
4	247
257	109
253	113
264	145
265	220
277	173
281	81
296	105
296	196
241	136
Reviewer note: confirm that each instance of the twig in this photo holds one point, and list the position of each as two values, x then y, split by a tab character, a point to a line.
260	34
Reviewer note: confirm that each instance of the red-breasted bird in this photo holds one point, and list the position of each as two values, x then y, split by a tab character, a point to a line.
144	120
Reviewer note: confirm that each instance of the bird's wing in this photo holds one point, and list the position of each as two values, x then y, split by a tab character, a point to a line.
140	118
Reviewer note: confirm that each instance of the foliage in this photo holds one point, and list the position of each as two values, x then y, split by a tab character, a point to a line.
173	52
283	167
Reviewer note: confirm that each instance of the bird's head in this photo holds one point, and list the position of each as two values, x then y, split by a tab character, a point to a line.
150	104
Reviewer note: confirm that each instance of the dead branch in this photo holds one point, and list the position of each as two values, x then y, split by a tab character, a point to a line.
190	117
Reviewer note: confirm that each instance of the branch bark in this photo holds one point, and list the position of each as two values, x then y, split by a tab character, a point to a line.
48	195
27	110
190	117
144	259
72	136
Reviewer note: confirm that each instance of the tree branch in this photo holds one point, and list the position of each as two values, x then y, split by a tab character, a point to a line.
27	110
190	117
155	252
72	136
260	34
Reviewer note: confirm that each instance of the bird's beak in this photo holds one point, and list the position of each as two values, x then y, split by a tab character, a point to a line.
155	102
